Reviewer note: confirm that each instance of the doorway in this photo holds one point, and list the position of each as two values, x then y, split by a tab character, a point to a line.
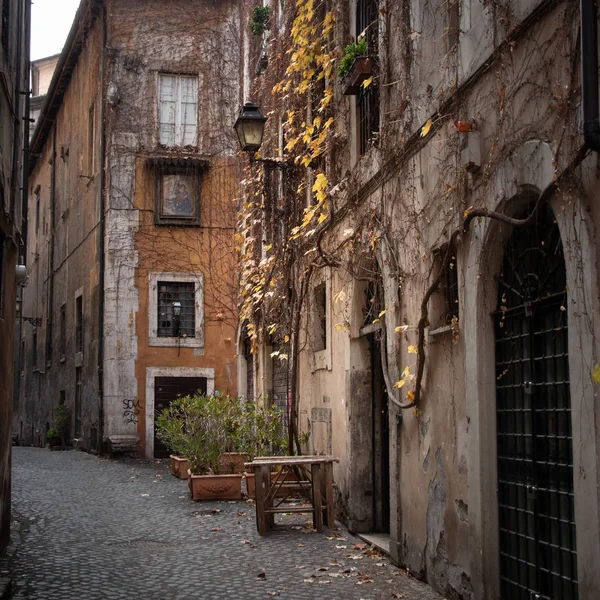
167	389
380	441
538	557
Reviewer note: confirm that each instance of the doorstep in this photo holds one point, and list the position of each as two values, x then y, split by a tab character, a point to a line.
380	540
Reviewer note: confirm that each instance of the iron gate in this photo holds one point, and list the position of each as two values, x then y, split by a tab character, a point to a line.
535	457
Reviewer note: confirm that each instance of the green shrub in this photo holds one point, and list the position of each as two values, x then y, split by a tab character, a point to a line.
351	53
260	19
62	421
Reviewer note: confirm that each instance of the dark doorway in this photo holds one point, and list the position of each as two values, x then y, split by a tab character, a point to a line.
535	457
167	389
381	441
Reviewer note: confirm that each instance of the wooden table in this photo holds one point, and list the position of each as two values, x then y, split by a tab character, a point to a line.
313	475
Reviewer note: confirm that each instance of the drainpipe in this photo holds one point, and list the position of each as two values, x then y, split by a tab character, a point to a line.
589	74
101	257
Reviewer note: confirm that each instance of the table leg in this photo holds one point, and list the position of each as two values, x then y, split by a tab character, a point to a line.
261	480
328	485
316	497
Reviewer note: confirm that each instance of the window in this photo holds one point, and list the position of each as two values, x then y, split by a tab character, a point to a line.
177	110
444	310
170	293
5	25
79	324
320	324
34	358
367	100
37	208
63	331
169	324
2	269
49	343
91	140
78	386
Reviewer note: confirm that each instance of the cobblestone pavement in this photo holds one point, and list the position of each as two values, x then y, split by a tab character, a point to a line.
93	528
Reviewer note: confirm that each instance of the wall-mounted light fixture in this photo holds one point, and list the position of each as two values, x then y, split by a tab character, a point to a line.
250	128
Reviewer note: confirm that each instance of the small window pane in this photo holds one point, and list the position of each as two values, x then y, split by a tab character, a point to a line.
168	324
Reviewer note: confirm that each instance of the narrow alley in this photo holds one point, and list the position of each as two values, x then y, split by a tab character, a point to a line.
91	528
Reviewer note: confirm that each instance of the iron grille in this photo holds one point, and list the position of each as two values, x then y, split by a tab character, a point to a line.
367	100
168	324
535	459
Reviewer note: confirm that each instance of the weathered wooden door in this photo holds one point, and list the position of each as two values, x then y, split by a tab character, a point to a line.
538	557
167	389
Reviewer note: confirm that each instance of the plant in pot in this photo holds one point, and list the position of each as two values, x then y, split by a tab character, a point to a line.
355	67
170	429
58	435
259	22
202	423
263	434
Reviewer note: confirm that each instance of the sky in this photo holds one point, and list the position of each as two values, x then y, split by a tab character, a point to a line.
51	21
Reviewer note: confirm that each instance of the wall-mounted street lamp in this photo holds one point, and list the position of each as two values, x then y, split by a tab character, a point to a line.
250	128
176	316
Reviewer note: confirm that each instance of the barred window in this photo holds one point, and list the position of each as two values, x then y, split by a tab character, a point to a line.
169	325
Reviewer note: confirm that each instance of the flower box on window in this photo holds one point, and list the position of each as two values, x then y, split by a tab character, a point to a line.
360	71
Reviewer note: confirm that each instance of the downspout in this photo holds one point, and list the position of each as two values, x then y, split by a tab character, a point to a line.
101	257
589	74
25	173
18	117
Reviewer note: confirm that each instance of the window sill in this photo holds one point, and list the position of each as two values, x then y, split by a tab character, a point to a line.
173	342
440	330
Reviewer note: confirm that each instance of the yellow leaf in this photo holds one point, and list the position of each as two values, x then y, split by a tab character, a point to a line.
406	372
410	395
339	326
382	313
412	349
426	128
596	373
367	82
322	217
401	328
400	383
286	339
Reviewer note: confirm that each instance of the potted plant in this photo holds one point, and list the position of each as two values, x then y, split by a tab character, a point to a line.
259	22
58	435
263	434
355	67
53	439
170	431
196	427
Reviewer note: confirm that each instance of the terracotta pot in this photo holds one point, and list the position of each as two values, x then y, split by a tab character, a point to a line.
360	71
215	487
233	462
251	484
179	466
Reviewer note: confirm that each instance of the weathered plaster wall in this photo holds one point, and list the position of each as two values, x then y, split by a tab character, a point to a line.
443	525
63	260
145	39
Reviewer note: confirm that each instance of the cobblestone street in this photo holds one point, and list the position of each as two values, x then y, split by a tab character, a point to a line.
92	528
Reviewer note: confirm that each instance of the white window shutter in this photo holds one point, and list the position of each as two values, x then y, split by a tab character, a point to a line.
189	110
167	110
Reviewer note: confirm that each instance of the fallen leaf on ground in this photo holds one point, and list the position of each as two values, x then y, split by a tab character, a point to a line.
216	529
322	568
359	546
261	576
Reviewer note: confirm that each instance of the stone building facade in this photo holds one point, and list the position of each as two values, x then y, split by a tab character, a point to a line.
438	243
14	74
133	185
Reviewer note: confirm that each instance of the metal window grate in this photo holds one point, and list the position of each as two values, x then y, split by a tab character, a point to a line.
168	324
367	100
535	459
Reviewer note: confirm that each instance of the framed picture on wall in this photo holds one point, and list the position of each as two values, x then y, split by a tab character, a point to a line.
177	197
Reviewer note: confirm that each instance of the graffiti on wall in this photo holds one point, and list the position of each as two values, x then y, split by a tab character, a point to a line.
131	410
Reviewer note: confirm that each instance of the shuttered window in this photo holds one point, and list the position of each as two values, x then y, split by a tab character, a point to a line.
178	110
